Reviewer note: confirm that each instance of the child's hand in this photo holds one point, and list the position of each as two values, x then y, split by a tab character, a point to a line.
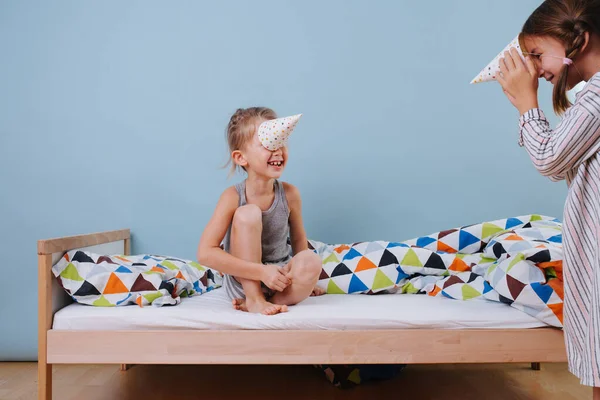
275	278
519	81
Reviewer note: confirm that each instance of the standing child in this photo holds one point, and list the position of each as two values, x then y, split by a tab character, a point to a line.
255	218
562	44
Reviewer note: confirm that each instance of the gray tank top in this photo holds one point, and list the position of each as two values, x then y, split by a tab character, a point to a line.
276	228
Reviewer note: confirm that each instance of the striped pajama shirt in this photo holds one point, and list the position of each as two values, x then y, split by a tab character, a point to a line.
571	152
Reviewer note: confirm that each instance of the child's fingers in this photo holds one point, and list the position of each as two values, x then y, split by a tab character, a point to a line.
531	68
519	63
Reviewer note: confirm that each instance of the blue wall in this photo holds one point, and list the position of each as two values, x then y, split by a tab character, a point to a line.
112	115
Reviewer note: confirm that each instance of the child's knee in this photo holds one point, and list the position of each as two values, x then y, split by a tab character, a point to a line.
247	216
307	264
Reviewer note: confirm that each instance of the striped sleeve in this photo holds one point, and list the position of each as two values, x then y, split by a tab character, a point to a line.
575	139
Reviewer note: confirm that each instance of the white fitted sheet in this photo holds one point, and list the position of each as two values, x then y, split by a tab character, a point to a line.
213	310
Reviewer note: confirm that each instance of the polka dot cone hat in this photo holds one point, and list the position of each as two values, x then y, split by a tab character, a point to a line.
493	68
274	133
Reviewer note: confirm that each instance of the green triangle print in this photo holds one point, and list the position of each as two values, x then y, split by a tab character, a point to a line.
382	281
169	265
409	288
103	302
518	258
71	273
535	217
490	229
332	288
331	258
411	259
152	296
469	293
197	266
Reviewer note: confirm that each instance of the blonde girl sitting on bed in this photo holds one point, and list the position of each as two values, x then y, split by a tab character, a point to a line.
254	219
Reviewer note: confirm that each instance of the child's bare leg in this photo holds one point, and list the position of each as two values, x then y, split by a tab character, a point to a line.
246	230
305	269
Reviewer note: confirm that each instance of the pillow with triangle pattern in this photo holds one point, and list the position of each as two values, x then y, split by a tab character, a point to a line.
118	280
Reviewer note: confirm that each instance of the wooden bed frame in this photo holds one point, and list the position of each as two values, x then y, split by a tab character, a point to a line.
401	346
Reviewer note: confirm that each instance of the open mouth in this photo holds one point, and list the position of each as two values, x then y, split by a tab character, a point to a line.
275	163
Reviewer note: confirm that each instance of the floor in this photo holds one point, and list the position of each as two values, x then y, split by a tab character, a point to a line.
418	382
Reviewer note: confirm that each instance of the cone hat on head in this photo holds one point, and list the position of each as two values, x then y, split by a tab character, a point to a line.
274	133
490	72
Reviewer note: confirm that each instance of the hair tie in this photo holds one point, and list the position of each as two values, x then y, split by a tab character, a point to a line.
567	61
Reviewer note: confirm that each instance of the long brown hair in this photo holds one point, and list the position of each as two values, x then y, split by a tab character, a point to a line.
567	21
242	126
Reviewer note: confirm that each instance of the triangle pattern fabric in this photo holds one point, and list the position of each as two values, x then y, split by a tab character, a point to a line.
114	285
87	289
356	285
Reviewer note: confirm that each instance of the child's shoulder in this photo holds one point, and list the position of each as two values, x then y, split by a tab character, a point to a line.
230	196
593	85
292	193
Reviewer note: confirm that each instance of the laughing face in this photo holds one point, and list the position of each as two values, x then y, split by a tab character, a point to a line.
256	159
547	54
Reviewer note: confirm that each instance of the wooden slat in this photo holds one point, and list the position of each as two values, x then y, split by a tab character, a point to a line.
44	325
63	244
411	346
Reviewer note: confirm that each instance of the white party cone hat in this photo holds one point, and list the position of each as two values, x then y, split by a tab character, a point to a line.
274	133
493	68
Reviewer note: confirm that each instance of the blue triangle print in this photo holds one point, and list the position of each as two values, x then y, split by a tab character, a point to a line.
123	269
351	254
466	239
356	285
197	287
486	287
424	241
543	291
396	244
556	239
401	274
124	300
512	222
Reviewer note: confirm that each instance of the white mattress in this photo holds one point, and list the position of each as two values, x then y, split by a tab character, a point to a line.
213	310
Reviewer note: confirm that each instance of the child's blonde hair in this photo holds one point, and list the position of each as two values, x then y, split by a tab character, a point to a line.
242	127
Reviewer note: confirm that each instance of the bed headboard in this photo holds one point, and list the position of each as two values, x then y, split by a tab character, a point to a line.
51	296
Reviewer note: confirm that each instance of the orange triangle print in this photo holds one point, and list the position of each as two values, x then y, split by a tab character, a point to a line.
441	246
157	269
514	237
180	276
115	285
557	309
459	265
342	248
435	291
364	264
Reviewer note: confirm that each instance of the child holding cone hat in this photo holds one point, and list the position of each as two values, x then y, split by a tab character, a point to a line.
560	42
254	219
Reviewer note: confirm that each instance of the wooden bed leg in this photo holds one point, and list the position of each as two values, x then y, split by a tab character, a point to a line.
536	366
44	381
44	324
124	367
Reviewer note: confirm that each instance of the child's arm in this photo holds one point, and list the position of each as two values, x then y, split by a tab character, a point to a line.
574	140
211	254
297	232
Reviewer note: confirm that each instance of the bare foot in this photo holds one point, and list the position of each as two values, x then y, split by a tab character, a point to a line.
318	291
258	307
239	304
